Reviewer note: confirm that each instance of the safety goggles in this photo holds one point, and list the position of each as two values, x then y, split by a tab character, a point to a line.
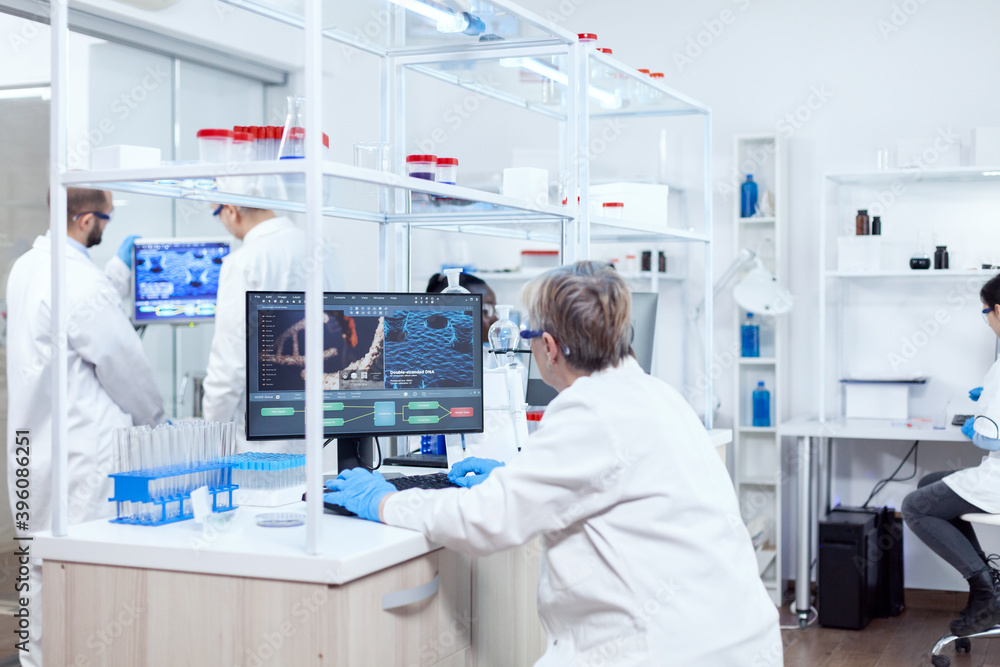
96	214
218	211
528	334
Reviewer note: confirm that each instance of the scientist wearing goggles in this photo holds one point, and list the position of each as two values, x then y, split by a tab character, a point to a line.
646	557
933	512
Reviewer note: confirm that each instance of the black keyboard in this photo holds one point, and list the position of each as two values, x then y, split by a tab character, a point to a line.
436	481
419	460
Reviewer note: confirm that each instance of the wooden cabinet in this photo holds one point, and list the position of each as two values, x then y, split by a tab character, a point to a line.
127	617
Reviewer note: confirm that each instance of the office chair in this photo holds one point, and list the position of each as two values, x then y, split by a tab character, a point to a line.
963	644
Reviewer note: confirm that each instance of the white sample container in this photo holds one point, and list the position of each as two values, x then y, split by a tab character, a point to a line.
613	209
876	400
527	183
243	147
124	157
214	145
646	203
859	254
539	259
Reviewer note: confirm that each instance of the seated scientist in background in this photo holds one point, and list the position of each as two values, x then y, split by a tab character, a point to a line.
646	557
273	257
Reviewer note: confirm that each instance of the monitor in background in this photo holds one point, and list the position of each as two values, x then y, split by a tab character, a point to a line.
539	394
394	364
176	280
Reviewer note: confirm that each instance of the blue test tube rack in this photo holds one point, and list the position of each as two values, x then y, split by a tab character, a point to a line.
134	486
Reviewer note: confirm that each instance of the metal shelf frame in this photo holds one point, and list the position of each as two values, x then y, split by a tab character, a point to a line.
570	227
766	441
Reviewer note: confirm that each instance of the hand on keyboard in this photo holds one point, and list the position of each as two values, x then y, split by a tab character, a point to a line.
336	503
359	491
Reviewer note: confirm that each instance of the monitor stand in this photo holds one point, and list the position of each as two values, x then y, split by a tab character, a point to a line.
355	453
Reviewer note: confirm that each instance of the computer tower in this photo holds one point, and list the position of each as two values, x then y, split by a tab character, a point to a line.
848	575
890	563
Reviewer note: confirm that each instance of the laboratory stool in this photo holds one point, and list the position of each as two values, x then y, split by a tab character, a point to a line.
962	644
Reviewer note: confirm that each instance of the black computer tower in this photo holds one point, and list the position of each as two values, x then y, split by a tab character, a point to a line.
848	576
846	536
890	563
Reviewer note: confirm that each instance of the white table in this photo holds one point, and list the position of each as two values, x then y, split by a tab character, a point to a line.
811	432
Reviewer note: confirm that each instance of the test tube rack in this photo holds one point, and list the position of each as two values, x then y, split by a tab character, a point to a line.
136	503
268	479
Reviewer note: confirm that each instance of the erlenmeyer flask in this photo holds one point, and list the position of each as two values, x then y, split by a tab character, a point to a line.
454	282
293	144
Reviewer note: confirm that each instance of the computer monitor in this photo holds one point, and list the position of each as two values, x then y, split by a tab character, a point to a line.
393	364
176	280
539	394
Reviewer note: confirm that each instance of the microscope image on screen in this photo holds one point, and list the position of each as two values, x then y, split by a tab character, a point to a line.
429	349
177	280
178	274
353	354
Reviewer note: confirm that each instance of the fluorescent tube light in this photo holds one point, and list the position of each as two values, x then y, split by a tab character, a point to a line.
446	19
44	92
607	99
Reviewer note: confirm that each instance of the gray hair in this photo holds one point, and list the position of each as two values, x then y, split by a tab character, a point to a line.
587	308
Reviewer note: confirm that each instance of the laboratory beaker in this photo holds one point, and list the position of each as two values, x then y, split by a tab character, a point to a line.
372	155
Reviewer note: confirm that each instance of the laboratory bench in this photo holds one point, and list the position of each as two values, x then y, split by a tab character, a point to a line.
127	595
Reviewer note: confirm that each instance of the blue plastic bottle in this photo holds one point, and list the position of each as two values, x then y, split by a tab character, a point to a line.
761	406
750	337
748	197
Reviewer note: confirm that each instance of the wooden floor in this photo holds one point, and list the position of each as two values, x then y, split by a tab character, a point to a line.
903	641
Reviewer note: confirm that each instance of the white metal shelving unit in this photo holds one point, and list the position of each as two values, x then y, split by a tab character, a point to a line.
830	278
757	449
518	36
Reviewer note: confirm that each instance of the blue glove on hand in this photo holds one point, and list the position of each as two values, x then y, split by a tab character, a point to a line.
974	394
359	491
125	249
967	428
480	469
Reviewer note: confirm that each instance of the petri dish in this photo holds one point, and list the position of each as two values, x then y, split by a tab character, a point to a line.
281	519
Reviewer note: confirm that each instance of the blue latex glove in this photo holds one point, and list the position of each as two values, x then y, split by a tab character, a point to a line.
480	469
360	491
125	249
974	394
967	428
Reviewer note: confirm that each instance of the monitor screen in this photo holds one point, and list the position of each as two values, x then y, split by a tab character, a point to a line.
176	280
393	364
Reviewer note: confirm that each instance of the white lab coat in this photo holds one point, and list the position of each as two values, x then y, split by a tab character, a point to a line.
273	257
981	485
109	383
646	558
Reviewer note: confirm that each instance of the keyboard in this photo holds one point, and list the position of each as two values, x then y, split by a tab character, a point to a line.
436	481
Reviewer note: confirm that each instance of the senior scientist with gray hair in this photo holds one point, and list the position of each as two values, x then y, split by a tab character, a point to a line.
646	557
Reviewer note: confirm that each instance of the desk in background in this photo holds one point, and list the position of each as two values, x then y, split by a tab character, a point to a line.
811	432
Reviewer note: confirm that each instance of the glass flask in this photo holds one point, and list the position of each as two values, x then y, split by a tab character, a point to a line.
454	282
293	137
504	335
